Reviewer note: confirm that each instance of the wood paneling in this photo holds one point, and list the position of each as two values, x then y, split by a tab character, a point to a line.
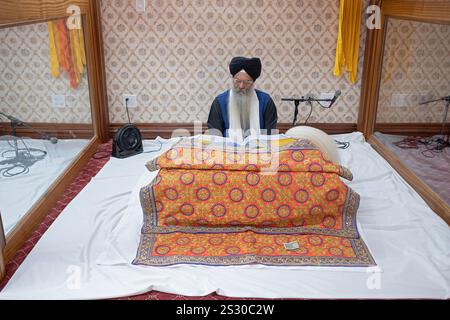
97	77
165	130
14	12
424	11
431	198
411	129
2	246
58	130
370	85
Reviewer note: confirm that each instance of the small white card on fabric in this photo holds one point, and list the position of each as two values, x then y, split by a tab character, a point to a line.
291	245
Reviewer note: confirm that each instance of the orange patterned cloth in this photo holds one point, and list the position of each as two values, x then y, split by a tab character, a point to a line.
217	195
249	247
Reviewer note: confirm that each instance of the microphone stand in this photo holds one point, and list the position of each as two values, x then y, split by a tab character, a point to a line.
17	122
307	99
14	123
445	143
23	158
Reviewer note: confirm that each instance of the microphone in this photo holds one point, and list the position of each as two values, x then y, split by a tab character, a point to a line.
336	95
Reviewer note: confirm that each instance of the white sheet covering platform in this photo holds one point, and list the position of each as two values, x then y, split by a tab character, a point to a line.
87	251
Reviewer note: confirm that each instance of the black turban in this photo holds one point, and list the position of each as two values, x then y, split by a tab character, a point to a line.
251	65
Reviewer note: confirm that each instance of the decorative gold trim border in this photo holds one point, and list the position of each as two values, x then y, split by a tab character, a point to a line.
363	257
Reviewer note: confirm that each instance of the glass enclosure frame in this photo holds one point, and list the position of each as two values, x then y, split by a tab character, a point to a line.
422	11
13	13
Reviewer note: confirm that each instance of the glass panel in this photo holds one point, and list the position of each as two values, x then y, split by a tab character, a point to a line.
414	99
45	113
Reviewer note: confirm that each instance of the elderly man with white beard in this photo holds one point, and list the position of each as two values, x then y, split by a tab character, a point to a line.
243	110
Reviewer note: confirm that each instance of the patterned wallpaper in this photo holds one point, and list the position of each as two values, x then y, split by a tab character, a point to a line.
175	55
26	85
416	68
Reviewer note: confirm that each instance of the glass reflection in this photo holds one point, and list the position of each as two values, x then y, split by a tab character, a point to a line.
45	113
414	99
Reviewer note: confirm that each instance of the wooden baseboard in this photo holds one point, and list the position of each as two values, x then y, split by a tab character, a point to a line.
165	130
20	233
436	203
58	130
411	129
2	246
2	267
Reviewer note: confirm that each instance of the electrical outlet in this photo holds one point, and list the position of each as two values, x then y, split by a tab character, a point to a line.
130	101
140	5
58	101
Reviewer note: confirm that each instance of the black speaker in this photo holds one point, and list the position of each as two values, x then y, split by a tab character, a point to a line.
127	142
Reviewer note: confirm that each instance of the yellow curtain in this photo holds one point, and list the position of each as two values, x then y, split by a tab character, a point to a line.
67	53
347	48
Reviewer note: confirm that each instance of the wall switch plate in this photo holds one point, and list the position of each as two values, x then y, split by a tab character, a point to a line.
400	100
58	101
409	99
71	101
131	102
140	5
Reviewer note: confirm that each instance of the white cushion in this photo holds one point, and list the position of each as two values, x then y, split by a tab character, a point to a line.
319	138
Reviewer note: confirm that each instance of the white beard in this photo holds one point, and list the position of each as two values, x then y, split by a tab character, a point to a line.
243	109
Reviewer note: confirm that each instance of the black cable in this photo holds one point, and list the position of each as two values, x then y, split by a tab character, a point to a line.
6	172
342	144
160	147
310	111
432	145
22	158
126	108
